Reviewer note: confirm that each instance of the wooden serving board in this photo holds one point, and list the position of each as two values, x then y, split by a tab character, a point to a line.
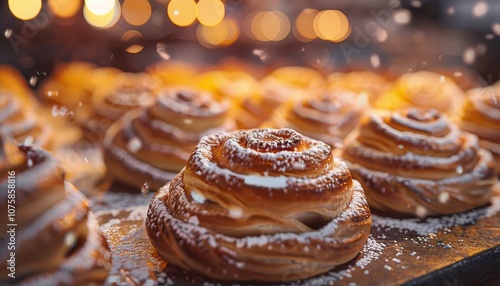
461	249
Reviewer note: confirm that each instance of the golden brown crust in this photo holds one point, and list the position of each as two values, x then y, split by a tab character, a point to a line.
422	89
58	241
480	115
366	83
153	144
109	103
256	206
19	121
416	162
329	116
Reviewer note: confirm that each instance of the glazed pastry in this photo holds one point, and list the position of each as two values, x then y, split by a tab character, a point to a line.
282	85
422	89
109	103
66	86
173	73
328	117
58	241
416	162
229	84
260	205
366	83
19	121
481	115
153	144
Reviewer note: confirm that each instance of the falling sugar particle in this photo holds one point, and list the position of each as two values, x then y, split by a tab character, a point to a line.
145	189
33	80
235	212
134	145
442	79
416	4
459	169
29	163
457	74
402	17
160	49
381	35
469	56
496	28
188	121
480	9
420	212
481	49
451	10
263	55
7	33
489	36
375	60
69	239
29	140
85	160
302	49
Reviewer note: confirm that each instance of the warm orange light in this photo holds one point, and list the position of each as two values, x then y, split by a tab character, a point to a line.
100	7
182	12
25	9
269	26
133	35
210	12
64	8
102	21
331	25
223	34
134	49
136	12
304	25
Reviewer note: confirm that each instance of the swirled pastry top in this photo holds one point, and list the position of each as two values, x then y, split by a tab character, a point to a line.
109	103
20	122
156	141
328	117
250	204
422	89
480	115
417	162
58	241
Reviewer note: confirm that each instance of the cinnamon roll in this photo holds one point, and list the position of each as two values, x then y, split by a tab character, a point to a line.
328	117
153	144
280	86
416	162
57	239
366	83
422	89
259	205
229	84
20	122
109	103
480	115
172	73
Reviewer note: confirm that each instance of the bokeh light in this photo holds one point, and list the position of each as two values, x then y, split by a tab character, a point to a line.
304	25
210	12
182	12
331	25
100	7
103	21
133	36
136	12
64	8
25	9
223	34
268	26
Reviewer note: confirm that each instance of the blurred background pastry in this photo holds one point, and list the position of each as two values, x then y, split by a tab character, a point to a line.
367	83
417	162
328	116
153	144
58	241
480	115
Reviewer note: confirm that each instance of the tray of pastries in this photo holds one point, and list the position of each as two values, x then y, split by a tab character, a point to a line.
292	178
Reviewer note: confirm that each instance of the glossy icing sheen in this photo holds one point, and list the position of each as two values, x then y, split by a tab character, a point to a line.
260	205
417	162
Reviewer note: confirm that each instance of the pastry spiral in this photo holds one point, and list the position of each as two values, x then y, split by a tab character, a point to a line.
416	162
58	241
153	144
109	103
424	90
258	205
366	83
19	122
328	117
481	115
